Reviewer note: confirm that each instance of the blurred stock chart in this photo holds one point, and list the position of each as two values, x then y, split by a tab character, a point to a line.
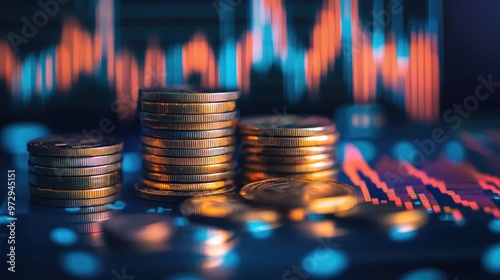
412	86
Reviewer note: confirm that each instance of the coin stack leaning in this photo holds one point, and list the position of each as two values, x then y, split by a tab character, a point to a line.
187	142
289	146
75	170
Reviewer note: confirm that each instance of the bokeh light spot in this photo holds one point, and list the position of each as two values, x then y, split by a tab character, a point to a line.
325	262
63	236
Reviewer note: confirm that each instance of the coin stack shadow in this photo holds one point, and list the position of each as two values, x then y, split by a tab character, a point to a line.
187	143
288	146
74	171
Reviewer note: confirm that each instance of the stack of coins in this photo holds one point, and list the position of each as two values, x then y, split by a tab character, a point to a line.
288	146
187	143
75	170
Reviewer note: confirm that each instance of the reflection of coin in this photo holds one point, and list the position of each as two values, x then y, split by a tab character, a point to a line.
75	171
188	108
75	194
188	126
174	196
288	159
228	207
327	139
144	229
186	169
75	183
74	145
316	196
204	186
253	176
286	125
188	94
296	168
75	161
75	202
187	144
202	118
186	134
188	178
188	161
296	151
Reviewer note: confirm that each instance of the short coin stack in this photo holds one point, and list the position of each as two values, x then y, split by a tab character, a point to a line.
75	170
288	146
187	142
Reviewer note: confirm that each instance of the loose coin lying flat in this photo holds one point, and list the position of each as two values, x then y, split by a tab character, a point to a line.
227	207
188	126
191	95
190	187
187	144
75	171
74	145
306	141
75	194
295	168
75	202
186	134
188	178
286	125
186	169
182	118
75	161
188	161
174	196
319	197
75	183
188	108
208	152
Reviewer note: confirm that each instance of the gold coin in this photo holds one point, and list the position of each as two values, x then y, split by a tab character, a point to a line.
74	145
187	144
75	161
75	183
320	197
253	176
227	207
286	126
75	202
288	159
385	216
195	169
75	171
185	187
188	108
175	196
175	118
327	139
188	126
187	153
296	151
75	194
187	134
188	161
188	94
188	178
296	168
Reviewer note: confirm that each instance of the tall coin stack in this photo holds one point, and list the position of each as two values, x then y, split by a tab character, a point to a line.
288	146
75	170
187	142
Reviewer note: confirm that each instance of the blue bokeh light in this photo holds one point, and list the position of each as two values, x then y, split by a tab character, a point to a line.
325	262
491	259
117	205
180	222
131	162
80	264
15	136
402	233
404	151
454	151
259	229
424	274
494	225
185	277
63	236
